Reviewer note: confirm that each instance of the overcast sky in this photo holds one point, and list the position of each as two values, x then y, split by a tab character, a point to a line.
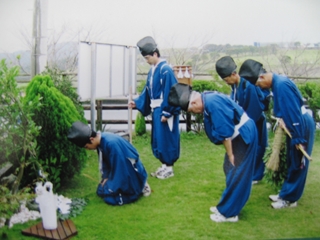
173	23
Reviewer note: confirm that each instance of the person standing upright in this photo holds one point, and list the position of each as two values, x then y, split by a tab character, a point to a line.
288	106
165	135
254	102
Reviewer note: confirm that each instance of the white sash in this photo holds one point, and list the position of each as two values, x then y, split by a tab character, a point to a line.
155	103
243	120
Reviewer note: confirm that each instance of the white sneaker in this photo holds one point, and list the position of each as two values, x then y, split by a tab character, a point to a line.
154	174
283	204
255	182
165	173
274	198
146	191
217	217
214	210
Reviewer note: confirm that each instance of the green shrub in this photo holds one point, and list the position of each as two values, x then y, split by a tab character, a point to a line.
60	158
140	124
311	92
206	85
63	83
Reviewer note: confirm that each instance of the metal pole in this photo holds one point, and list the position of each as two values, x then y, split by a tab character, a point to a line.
93	85
110	83
130	94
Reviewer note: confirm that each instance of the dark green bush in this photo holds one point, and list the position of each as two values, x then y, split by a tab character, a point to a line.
60	158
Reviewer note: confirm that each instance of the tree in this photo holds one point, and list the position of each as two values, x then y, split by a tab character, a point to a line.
18	130
18	134
294	61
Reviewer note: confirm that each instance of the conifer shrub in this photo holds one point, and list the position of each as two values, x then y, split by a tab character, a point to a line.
140	125
63	83
59	157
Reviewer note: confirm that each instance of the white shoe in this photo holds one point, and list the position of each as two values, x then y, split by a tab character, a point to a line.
165	173
220	218
274	198
255	182
283	204
214	210
146	191
154	174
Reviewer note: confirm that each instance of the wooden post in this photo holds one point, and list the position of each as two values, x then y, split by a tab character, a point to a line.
99	114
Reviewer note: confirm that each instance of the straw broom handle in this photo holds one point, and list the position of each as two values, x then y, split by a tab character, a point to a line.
299	146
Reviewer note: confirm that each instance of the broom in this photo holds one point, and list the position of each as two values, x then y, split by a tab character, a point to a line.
274	159
299	146
289	134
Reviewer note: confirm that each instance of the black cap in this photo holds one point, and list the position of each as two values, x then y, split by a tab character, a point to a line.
225	66
147	46
79	134
179	95
251	70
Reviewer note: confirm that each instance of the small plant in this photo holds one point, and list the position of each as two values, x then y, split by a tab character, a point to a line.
76	207
140	124
10	203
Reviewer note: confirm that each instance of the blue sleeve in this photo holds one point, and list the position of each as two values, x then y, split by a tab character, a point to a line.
143	102
221	116
265	98
253	102
168	80
289	102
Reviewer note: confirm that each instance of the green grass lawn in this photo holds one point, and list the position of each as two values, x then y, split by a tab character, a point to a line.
178	208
